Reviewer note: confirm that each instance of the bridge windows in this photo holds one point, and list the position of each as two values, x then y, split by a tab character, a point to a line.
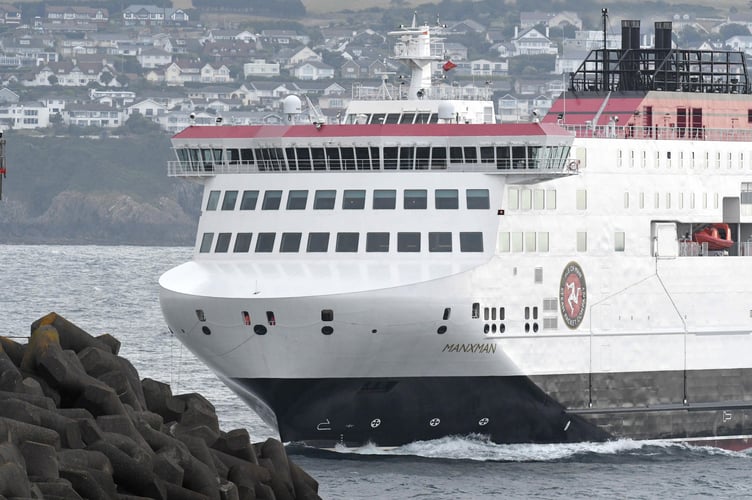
408	242
447	199
354	199
223	242
415	199
242	243
290	242
297	200
347	242
377	242
265	242
206	242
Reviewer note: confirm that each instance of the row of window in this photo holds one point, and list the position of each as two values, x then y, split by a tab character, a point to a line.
352	199
692	159
518	241
374	157
540	199
343	242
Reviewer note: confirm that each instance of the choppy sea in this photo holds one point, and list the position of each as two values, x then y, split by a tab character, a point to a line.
113	289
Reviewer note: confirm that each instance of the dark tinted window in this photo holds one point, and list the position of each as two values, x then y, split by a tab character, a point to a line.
223	242
477	199
242	242
415	198
439	242
324	199
384	198
447	199
318	242
471	242
296	200
271	200
347	242
377	242
290	242
354	199
265	242
211	203
248	202
206	242
408	242
228	203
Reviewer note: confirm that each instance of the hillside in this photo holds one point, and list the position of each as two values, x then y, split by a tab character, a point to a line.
103	191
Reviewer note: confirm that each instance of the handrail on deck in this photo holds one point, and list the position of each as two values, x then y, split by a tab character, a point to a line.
660	133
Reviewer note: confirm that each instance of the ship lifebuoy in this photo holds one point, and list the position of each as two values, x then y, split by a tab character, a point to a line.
573	165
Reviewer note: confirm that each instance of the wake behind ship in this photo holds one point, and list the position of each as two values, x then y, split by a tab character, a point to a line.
420	270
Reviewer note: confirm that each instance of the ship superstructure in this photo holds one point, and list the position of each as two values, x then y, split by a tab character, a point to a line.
421	271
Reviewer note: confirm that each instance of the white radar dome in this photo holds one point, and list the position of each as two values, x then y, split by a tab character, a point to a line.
446	111
291	105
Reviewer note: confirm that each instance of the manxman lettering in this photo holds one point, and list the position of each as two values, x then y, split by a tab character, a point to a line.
472	348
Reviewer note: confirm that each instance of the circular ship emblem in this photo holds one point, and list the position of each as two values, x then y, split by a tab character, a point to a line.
572	295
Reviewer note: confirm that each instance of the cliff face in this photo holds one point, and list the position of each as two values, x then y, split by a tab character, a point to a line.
103	191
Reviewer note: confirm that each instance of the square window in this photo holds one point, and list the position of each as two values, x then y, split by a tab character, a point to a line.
415	199
297	200
318	242
324	199
248	202
213	200
206	243
477	199
384	199
408	242
223	242
471	242
377	242
242	243
447	199
290	242
228	203
272	200
265	242
440	242
354	199
347	242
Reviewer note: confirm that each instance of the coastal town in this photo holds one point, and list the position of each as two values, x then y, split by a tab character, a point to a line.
87	67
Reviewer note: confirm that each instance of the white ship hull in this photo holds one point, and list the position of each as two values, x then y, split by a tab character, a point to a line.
525	282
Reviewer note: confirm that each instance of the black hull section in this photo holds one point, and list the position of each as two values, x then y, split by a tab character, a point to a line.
393	412
545	409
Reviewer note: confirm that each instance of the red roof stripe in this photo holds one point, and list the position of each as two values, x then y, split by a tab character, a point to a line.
386	130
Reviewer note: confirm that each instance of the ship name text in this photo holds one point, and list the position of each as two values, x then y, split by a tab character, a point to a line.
472	348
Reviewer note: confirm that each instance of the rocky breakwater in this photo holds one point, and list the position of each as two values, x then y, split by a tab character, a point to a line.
77	422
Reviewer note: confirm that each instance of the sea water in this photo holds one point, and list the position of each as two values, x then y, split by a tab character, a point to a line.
113	289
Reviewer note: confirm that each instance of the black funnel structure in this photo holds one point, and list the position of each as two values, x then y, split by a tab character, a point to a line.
630	55
666	77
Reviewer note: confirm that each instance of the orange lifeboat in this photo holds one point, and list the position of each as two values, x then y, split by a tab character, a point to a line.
711	235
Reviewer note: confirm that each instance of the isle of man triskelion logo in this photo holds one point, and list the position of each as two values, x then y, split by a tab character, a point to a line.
572	295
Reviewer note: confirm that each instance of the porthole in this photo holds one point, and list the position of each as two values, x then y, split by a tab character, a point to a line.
206	330
327	315
327	330
535	327
259	330
442	330
502	328
527	327
493	328
374	331
486	328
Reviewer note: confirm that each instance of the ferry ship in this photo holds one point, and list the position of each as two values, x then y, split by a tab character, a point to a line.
419	270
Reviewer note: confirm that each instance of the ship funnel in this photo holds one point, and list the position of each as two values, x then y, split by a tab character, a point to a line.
630	54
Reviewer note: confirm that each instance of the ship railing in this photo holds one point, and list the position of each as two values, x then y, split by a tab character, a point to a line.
389	91
661	133
547	167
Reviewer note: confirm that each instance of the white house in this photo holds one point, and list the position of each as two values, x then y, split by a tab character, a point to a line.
313	70
533	42
26	115
153	58
260	68
148	108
